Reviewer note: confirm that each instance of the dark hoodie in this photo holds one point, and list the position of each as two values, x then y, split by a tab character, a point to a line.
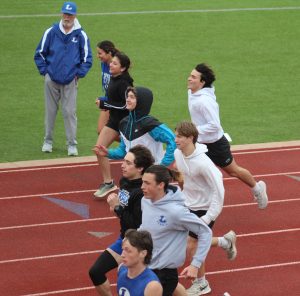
116	91
130	196
141	128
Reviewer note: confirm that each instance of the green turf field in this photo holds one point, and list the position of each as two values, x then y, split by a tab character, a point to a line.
254	52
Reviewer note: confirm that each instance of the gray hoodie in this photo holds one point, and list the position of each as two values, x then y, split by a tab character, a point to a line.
169	221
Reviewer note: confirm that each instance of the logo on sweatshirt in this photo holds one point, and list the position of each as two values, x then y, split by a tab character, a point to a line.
123	197
74	39
162	221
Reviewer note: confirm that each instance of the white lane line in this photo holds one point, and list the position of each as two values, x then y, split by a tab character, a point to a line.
46	168
268	232
266	151
57	223
100	251
92	190
284	264
265	175
47	194
158	12
113	217
254	267
255	203
51	256
94	164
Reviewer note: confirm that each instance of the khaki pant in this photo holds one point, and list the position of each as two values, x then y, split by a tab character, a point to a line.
67	95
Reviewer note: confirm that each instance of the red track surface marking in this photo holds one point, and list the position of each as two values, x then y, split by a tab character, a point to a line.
47	250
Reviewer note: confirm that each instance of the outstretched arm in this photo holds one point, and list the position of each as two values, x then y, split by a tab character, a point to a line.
164	135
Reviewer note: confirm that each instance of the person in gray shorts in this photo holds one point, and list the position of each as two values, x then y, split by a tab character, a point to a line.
63	56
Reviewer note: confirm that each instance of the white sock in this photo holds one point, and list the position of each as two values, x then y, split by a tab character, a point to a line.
200	279
223	243
256	189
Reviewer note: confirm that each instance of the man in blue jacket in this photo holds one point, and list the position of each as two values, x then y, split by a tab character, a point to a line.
63	56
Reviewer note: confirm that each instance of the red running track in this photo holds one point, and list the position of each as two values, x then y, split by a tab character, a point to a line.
47	250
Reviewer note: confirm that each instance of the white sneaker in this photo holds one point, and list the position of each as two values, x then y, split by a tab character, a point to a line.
261	197
198	288
72	150
231	250
47	147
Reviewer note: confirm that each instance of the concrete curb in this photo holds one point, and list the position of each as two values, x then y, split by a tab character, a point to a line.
91	159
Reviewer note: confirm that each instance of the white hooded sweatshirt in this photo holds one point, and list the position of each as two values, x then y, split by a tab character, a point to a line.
204	112
203	182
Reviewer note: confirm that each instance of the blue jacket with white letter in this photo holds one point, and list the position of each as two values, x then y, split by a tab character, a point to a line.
64	56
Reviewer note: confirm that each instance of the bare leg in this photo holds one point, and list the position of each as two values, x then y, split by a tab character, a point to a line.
244	175
106	138
104	289
258	188
180	290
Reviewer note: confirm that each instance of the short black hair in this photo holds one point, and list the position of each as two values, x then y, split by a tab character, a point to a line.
124	60
142	157
163	174
108	47
207	74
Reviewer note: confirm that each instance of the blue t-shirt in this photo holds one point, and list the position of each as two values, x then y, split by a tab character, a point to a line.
134	287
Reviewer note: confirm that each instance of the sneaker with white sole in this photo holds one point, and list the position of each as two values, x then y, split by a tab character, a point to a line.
198	288
47	147
231	250
72	150
104	189
262	197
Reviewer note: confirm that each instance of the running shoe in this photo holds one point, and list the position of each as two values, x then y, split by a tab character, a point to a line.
104	189
261	197
231	250
198	288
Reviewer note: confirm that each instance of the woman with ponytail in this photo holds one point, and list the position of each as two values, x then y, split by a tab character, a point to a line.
106	50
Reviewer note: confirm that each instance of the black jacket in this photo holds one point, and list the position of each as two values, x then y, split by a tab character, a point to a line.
116	90
130	196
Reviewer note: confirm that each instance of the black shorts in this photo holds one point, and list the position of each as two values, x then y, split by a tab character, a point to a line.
199	214
168	278
115	117
219	152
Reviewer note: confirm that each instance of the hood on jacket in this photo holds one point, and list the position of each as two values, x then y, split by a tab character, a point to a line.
76	26
207	91
144	102
199	149
173	195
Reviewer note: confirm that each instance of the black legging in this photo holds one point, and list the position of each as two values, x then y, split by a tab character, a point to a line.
103	264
